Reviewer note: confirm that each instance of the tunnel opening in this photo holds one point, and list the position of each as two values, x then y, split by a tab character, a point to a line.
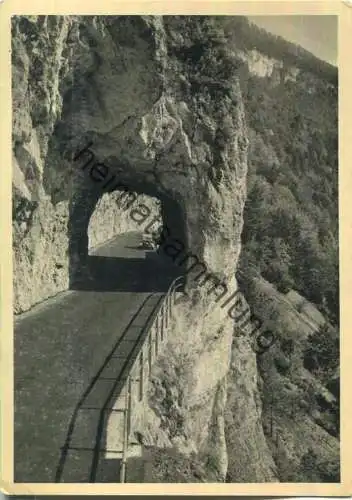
125	240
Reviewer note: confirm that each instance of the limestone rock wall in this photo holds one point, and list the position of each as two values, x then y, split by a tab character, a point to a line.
251	456
187	395
123	84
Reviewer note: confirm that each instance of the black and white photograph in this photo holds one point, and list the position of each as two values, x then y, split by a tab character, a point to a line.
175	243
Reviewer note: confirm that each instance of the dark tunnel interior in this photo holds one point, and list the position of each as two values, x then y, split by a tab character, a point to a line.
124	263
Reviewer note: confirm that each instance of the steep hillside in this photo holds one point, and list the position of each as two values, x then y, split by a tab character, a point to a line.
291	219
290	237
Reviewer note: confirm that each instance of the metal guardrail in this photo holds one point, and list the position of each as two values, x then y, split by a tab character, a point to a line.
139	371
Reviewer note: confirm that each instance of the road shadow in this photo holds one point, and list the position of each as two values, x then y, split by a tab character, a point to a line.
106	274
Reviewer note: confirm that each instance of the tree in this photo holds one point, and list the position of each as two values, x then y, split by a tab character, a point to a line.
321	354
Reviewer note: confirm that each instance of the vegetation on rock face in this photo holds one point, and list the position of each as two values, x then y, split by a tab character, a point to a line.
321	355
170	466
312	470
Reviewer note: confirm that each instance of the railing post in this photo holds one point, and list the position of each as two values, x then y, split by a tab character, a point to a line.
156	341
129	408
125	436
162	322
150	347
141	375
165	313
161	329
157	325
170	303
157	329
166	308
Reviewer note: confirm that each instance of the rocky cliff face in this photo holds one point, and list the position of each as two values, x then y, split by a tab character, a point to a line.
158	102
128	87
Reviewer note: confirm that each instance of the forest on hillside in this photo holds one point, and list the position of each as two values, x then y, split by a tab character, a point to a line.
291	218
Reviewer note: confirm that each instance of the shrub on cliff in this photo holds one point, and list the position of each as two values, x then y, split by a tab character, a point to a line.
170	466
313	469
282	364
321	354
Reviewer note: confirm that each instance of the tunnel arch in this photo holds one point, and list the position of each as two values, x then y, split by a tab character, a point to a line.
85	201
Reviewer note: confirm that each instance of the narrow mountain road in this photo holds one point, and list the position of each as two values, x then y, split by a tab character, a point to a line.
69	352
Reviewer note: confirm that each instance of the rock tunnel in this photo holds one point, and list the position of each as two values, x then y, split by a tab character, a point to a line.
127	89
141	208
